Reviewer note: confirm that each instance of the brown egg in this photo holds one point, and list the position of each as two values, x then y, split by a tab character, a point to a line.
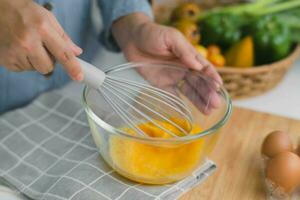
284	171
276	142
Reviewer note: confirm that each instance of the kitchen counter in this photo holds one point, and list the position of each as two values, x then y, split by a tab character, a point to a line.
283	100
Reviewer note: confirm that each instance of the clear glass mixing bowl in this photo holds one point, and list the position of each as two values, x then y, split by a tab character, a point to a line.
156	160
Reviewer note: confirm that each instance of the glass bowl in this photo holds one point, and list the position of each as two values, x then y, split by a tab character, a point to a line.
157	160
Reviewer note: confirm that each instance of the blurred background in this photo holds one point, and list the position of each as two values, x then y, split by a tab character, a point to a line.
254	45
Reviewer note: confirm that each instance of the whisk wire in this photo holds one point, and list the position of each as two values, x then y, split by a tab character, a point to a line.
132	91
155	90
120	91
142	114
121	113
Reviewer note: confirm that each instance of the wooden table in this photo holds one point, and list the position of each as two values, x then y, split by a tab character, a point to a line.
239	175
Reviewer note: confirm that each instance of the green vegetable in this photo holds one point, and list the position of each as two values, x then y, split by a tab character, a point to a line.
292	20
272	39
288	12
255	8
221	29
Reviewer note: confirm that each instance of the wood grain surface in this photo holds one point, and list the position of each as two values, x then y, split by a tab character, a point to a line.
237	154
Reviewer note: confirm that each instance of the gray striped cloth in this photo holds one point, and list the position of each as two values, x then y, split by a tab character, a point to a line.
47	152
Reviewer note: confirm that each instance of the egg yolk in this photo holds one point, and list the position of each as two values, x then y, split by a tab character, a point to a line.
156	163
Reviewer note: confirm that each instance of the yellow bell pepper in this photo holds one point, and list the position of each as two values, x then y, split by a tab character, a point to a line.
241	54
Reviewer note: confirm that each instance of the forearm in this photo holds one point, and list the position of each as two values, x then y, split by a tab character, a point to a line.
114	11
127	27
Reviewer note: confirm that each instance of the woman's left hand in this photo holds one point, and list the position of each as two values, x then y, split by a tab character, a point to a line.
142	40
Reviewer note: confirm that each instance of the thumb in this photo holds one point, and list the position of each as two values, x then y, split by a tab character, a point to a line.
185	52
56	25
188	55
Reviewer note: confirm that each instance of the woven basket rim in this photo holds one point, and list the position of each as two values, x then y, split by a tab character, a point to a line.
262	68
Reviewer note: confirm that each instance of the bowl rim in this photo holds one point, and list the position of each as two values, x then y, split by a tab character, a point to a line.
119	132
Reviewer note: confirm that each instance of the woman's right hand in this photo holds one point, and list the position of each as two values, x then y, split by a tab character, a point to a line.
32	39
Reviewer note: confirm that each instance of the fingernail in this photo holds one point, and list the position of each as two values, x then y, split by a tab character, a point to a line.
203	62
78	50
79	77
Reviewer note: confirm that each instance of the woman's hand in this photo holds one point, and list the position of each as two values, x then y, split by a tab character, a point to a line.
32	39
143	40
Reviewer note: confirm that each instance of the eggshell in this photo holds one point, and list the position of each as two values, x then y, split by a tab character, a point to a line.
284	171
276	142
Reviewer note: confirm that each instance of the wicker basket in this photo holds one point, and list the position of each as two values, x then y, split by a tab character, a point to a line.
240	83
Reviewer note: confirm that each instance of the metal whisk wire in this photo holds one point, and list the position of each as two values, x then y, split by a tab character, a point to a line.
143	99
136	103
169	99
122	115
172	98
118	92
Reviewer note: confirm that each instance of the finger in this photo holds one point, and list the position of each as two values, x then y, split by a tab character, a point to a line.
195	98
14	68
18	68
162	77
24	63
210	70
206	89
183	50
22	60
40	59
76	49
190	57
63	54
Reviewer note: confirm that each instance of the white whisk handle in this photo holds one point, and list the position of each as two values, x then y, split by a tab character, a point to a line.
93	76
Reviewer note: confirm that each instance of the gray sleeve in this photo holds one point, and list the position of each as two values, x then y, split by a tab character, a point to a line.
111	10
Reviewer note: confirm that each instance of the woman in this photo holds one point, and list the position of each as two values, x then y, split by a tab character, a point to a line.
33	39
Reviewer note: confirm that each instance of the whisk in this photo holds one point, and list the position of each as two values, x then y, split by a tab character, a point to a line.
136	102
